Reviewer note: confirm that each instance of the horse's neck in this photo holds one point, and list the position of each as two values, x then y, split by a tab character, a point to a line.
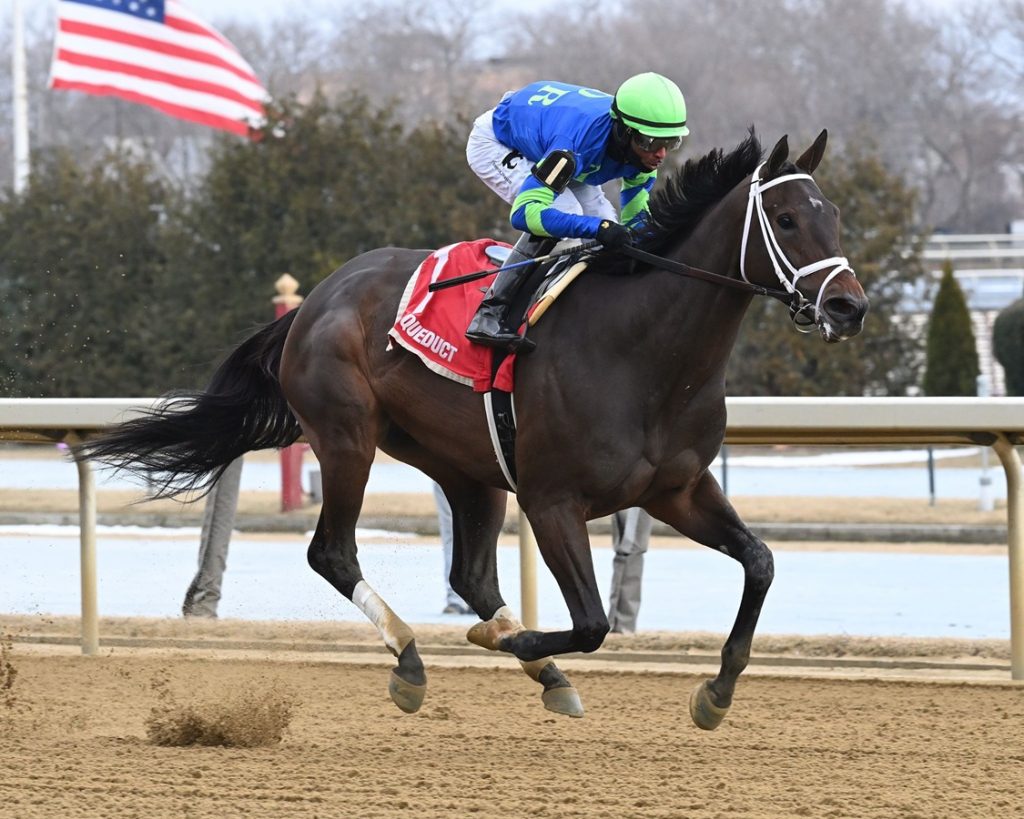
714	244
705	317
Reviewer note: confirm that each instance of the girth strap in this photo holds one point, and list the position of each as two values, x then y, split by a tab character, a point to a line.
501	423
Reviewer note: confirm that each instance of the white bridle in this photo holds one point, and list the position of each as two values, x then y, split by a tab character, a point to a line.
837	263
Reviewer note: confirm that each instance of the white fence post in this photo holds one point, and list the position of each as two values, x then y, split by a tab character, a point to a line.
87	554
527	573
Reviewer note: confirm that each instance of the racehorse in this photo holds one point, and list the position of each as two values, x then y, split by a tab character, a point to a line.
621	404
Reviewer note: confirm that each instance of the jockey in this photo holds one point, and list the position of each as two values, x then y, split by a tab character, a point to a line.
546	150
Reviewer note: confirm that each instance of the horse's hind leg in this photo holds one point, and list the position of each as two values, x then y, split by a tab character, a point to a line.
332	554
559	695
477	515
562	536
707	517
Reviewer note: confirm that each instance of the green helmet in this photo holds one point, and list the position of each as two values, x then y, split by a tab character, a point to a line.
651	104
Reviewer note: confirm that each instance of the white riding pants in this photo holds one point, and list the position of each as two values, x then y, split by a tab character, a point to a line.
503	170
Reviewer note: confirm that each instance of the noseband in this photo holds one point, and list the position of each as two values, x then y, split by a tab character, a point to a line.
805	315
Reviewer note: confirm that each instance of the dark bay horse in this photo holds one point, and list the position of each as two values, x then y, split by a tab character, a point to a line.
622	404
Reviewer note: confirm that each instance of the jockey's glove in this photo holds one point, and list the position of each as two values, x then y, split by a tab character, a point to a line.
641	226
613	235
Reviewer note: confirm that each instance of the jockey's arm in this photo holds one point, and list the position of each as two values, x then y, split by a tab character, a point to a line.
634	198
532	212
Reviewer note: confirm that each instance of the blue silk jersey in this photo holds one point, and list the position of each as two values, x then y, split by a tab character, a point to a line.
547	116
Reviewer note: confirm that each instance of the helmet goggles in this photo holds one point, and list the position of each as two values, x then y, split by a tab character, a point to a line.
653	144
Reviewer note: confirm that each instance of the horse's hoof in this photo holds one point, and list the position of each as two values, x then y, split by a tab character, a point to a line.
405	695
482	634
489	634
703	711
563	701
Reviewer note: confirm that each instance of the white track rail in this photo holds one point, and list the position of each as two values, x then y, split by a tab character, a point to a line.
993	422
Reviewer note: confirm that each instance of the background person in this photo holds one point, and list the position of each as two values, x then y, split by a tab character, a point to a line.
203	593
631	535
453	604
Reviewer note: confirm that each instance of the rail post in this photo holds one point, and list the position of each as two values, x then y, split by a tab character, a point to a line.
87	552
527	572
1015	539
286	300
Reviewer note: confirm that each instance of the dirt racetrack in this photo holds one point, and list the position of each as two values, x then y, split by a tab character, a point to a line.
73	743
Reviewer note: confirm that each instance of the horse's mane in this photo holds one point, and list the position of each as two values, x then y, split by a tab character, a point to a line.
679	205
687	195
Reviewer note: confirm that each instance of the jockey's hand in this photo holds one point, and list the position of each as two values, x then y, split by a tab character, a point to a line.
613	235
641	226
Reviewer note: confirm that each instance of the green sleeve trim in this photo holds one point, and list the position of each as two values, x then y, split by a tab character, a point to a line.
634	197
533	203
634	206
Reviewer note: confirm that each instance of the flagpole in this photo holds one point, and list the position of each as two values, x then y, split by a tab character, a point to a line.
21	154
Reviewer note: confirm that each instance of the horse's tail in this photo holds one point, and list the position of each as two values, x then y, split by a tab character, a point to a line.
190	438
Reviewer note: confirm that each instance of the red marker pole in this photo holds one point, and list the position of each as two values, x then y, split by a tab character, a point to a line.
286	300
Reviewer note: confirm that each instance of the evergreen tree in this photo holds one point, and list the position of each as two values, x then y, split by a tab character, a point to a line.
85	305
879	238
326	182
111	283
952	359
1008	345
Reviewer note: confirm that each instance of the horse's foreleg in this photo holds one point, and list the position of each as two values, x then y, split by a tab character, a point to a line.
707	517
477	514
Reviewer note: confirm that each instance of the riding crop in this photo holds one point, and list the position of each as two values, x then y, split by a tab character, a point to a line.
479	274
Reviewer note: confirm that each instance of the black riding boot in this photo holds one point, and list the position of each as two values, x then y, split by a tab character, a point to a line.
490	326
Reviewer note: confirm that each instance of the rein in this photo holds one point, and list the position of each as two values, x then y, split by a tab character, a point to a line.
805	314
692	272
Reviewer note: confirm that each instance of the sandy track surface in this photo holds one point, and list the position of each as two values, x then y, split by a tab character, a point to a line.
821	727
74	744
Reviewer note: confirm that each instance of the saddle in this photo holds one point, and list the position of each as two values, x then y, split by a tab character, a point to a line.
547	281
432	324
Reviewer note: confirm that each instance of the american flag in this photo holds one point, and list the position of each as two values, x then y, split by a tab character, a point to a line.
157	53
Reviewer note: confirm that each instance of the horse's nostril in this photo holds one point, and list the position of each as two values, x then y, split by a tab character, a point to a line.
843	308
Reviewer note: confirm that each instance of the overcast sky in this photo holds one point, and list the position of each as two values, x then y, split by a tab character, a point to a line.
215	10
218	10
269	9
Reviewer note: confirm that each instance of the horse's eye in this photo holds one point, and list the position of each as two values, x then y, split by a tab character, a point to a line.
785	221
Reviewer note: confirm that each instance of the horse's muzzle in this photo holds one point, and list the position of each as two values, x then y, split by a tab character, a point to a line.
842	315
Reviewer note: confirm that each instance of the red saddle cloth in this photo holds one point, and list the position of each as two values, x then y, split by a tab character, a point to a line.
433	325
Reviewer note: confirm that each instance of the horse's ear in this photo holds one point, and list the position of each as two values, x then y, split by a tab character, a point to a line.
812	156
778	156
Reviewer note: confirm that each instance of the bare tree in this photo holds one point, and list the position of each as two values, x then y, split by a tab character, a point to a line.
923	89
294	53
939	94
1004	30
417	56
